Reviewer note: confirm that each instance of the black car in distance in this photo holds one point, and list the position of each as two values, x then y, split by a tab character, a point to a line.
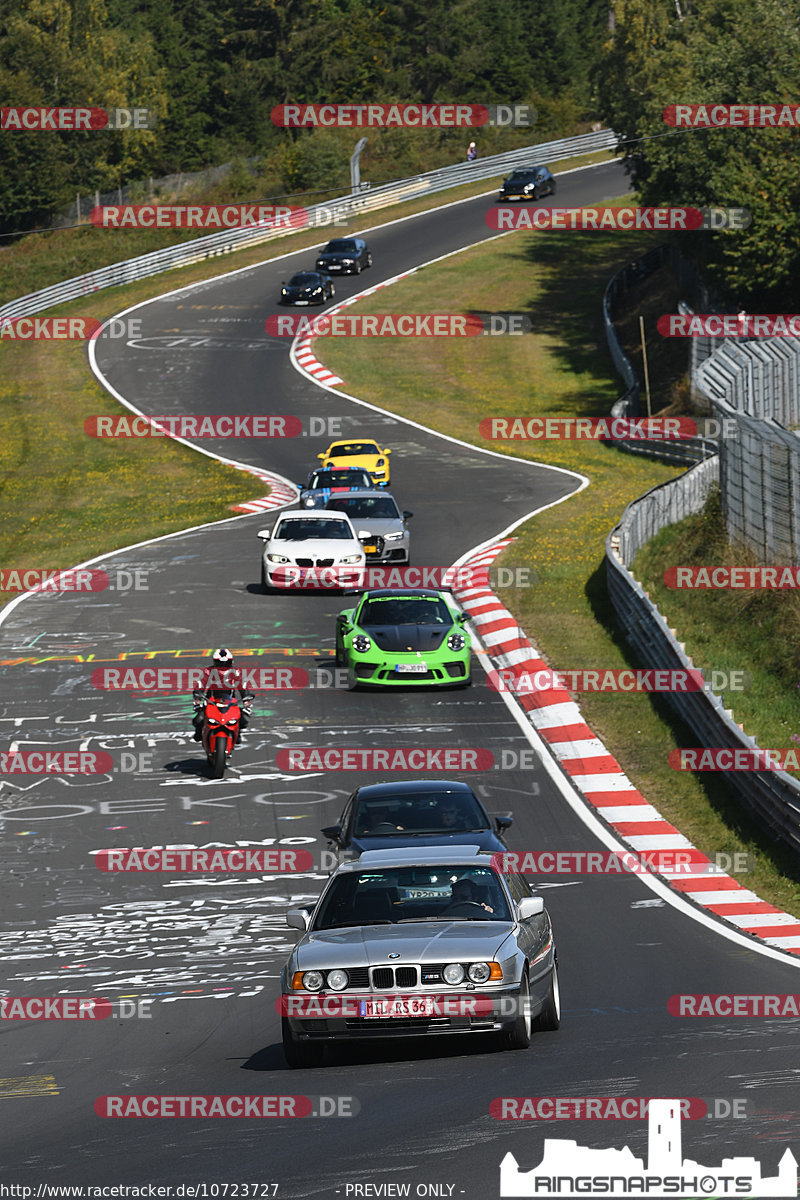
528	183
307	287
346	256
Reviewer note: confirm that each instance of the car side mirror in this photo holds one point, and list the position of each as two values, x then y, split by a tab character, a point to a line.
321	456
264	534
332	832
407	516
298	918
462	618
344	624
530	906
503	822
386	452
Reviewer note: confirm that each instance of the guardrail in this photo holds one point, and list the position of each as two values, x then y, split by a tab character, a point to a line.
320	215
687	450
771	797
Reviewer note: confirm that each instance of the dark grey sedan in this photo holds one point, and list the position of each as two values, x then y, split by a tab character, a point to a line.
415	812
345	256
419	943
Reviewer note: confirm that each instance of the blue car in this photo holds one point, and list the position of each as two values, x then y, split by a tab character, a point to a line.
326	481
419	812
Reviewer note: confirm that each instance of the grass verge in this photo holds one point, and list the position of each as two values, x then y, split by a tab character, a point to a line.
561	368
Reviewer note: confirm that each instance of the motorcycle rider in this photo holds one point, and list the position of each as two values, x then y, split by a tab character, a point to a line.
222	676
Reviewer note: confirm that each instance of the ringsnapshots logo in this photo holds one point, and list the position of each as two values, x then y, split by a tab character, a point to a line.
726	116
399	325
567	1169
70	120
514	115
625	219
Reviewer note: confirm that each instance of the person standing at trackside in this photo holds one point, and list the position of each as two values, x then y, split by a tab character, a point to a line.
472	152
221	676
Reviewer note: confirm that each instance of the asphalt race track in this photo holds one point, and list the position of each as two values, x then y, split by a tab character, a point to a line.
206	951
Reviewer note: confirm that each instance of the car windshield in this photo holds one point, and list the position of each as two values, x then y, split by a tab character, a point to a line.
522	176
348	477
362	507
301	529
339	247
439	810
347	449
397	895
405	610
303	278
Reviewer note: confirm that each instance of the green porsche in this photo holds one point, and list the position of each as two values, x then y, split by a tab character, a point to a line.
404	636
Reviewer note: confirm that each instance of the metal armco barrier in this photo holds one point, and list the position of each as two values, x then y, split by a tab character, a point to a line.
320	215
772	798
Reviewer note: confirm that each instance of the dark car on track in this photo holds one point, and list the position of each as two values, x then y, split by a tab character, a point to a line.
415	812
307	287
328	481
346	256
528	183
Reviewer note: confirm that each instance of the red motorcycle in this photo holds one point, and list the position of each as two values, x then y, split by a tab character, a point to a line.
221	719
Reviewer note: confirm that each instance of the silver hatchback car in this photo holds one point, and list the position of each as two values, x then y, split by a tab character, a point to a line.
417	943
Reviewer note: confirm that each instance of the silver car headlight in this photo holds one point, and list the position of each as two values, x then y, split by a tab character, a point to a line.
479	972
277	558
453	974
361	643
338	980
392	537
456	641
313	981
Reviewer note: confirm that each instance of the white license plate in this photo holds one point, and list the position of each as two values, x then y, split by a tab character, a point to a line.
419	668
399	1006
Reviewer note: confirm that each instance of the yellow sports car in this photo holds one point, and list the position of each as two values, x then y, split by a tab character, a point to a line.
359	454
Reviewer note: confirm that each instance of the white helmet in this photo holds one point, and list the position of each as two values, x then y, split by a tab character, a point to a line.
223	657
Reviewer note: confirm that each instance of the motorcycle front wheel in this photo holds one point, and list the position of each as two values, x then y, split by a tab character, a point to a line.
218	764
